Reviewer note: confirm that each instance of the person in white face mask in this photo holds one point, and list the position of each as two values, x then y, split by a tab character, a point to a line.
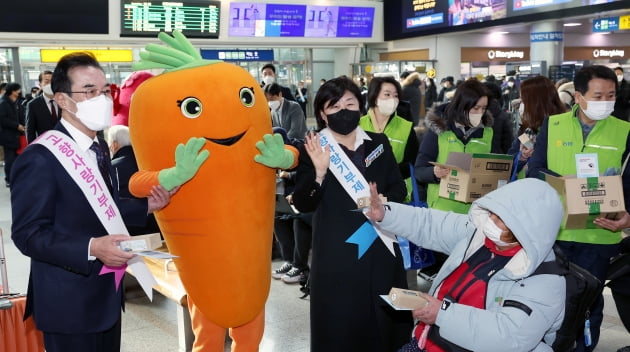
70	234
382	100
588	128
463	125
42	113
485	298
268	73
285	113
622	102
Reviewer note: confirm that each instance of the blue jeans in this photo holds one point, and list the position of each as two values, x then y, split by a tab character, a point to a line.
595	258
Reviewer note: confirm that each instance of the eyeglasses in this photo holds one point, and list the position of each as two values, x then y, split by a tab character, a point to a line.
94	92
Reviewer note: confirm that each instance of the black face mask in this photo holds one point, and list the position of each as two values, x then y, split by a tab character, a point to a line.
344	121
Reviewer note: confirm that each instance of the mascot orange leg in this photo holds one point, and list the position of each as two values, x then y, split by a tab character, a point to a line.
211	337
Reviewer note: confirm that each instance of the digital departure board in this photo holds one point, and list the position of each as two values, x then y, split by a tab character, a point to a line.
194	18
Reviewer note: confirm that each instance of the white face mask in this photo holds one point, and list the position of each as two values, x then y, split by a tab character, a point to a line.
387	106
510	84
428	83
475	119
47	89
493	232
269	79
274	105
619	78
521	109
95	113
598	110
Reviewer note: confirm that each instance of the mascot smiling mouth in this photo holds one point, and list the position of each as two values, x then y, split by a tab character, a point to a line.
227	141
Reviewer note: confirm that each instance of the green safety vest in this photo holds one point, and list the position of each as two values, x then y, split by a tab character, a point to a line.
447	143
397	131
607	139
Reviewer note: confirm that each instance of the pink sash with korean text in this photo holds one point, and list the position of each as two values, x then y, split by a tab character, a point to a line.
85	174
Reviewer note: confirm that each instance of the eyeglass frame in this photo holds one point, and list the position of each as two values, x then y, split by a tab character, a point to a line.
89	91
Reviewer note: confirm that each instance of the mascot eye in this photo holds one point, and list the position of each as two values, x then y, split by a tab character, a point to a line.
190	106
247	97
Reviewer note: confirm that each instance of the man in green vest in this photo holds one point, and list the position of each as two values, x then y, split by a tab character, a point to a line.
587	128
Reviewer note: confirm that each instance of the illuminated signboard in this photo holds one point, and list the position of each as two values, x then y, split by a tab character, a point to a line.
411	18
314	21
194	18
102	55
59	16
238	55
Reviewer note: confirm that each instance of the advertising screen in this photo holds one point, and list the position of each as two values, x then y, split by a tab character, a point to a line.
409	18
315	21
59	16
195	19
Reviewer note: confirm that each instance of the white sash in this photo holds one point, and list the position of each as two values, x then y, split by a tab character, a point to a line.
352	181
85	174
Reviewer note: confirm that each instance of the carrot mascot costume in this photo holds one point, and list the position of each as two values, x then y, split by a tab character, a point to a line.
213	117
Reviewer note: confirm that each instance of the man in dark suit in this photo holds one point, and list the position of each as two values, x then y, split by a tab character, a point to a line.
285	113
269	76
42	113
54	224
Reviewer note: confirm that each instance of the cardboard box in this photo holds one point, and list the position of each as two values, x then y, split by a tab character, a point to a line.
585	199
474	175
142	243
406	299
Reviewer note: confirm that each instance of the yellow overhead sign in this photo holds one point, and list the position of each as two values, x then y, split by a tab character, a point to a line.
102	55
624	22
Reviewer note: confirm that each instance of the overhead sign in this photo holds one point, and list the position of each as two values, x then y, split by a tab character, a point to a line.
546	37
606	24
238	55
102	55
286	20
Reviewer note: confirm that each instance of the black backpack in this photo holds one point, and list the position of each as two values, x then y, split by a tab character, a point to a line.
582	290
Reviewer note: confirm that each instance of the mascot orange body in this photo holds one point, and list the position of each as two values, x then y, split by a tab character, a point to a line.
221	220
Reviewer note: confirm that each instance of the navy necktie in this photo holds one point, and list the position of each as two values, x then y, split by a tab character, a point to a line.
101	159
53	110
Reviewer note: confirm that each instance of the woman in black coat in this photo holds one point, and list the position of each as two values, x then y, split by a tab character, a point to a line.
12	123
347	313
430	94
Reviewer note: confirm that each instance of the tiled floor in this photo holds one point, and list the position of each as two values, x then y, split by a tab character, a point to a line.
151	326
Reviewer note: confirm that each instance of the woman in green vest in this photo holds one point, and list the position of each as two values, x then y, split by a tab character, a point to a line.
539	99
382	100
464	125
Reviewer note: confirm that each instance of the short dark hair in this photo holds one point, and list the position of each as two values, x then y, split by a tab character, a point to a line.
60	81
588	73
375	88
271	66
466	97
618	68
41	75
330	92
273	89
12	87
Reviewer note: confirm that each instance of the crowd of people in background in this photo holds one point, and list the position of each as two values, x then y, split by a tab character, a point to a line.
389	128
